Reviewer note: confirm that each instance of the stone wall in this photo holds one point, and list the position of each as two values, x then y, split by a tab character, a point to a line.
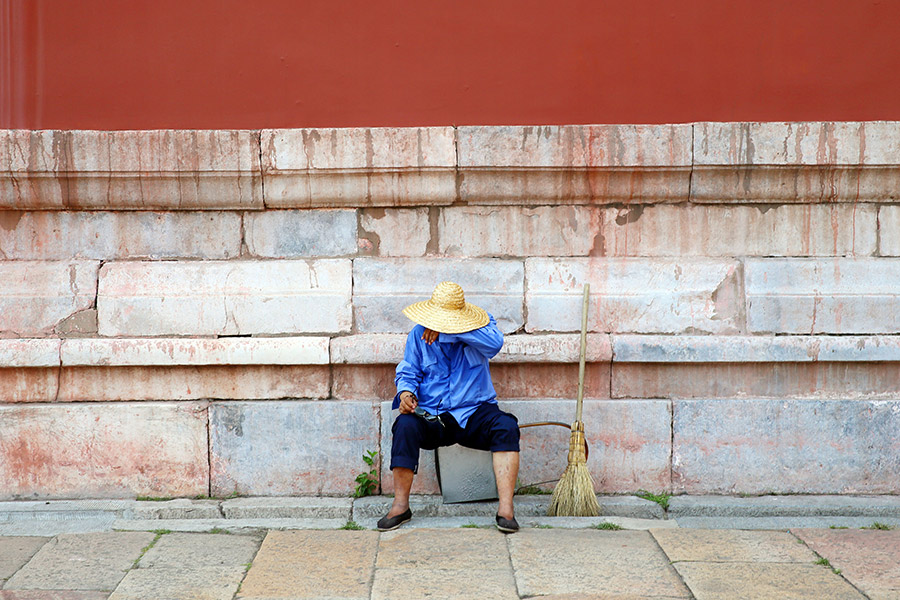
214	312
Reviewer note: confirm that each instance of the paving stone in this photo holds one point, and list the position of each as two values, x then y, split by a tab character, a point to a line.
784	506
289	447
439	581
208	583
574	163
634	295
16	551
611	562
231	525
187	551
178	508
826	380
181	351
298	233
192	382
751	581
156	169
870	559
51	595
383	287
889	230
103	235
837	296
312	564
785	446
287	508
710	545
91	561
224	297
394	232
102	450
29	353
758	348
780	523
385	166
37	295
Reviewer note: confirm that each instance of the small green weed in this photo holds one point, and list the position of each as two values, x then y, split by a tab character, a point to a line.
367	481
838	527
153	498
880	526
161	531
824	562
475	526
607	526
532	490
351	526
661	499
218	530
542	526
146	548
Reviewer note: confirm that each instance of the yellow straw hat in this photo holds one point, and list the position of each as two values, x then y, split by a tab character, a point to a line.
447	311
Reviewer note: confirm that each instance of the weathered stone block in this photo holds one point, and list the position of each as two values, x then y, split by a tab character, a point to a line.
29	353
629	444
160	169
289	447
78	384
395	232
362	382
630	295
786	446
761	380
62	235
311	168
759	230
754	349
35	296
383	287
574	164
103	450
31	384
823	296
889	230
185	351
384	348
298	233
224	298
791	162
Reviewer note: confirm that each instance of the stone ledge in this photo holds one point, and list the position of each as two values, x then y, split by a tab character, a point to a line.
364	349
738	349
185	351
29	352
785	506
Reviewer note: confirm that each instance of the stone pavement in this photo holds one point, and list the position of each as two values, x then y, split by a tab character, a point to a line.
459	562
284	548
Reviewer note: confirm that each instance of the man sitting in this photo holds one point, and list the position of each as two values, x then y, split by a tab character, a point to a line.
445	396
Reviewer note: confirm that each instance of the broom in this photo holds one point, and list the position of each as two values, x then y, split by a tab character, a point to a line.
574	494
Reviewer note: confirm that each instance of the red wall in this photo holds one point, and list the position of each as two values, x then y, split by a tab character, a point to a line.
94	64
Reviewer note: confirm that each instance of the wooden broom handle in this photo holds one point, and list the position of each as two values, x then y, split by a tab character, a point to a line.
584	311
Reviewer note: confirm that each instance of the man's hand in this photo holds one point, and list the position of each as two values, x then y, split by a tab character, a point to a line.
408	402
430	336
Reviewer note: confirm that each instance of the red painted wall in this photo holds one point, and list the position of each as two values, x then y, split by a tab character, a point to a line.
95	64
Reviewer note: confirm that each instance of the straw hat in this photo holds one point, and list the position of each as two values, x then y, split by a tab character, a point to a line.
447	311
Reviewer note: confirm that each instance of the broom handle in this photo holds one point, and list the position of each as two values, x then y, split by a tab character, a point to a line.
584	311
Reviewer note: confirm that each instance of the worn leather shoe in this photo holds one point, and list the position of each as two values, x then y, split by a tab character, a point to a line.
507	525
386	523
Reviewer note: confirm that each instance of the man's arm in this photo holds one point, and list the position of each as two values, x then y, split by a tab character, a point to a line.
409	376
486	340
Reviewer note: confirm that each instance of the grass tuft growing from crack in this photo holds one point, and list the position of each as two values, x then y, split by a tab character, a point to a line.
154	498
351	525
607	526
824	562
879	526
218	530
661	499
159	533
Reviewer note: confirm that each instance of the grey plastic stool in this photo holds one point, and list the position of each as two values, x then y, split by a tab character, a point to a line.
465	474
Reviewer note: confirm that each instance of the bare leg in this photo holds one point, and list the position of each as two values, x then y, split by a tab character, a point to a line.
506	470
403	479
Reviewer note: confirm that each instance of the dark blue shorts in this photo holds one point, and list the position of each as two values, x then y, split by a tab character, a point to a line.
489	428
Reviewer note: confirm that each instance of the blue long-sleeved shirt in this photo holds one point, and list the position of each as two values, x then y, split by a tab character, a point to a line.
452	374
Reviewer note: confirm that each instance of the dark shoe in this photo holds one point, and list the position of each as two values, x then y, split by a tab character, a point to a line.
507	525
388	523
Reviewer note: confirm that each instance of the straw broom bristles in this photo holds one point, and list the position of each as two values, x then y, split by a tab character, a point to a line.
574	494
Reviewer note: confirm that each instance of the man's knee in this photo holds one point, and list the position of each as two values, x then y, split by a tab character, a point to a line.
505	432
407	427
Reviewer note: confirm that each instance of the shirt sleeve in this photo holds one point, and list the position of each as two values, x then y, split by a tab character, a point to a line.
409	370
486	340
